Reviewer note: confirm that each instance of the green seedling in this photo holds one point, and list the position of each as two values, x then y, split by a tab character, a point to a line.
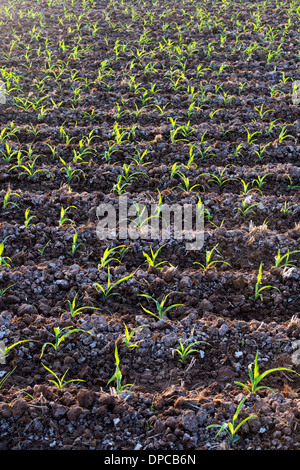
160	306
59	383
185	351
107	292
208	261
128	335
53	151
271	127
63	219
246	190
6	377
9	153
118	375
44	247
106	258
141	221
256	377
232	427
139	158
112	148
4	351
151	260
7	202
245	210
212	113
282	261
70	173
175	170
242	86
291	185
258	288
283	135
261	152
4	260
261	112
219	179
260	180
75	245
75	311
224	132
127	176
29	170
286	209
186	188
250	137
3	291
28	218
61	335
119	186
237	150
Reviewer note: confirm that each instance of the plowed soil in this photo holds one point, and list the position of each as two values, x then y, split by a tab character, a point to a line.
224	71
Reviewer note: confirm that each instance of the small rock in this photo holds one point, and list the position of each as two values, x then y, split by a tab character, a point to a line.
290	273
85	398
169	340
27	309
206	306
19	407
74	412
190	421
58	411
159	426
223	329
185	283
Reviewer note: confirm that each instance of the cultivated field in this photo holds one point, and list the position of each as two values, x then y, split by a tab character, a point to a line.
139	343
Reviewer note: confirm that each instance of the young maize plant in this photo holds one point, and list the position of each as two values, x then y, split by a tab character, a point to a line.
245	210
118	375
208	261
75	245
61	335
258	288
287	209
256	377
7	202
246	190
160	306
232	427
75	311
3	291
29	169
6	377
63	219
107	292
151	260
282	261
5	350
185	351
59	383
219	178
28	218
116	254
71	173
4	260
128	335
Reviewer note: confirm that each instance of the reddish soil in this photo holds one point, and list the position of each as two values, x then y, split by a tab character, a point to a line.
171	403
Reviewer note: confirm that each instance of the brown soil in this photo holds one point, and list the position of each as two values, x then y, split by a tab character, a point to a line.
171	402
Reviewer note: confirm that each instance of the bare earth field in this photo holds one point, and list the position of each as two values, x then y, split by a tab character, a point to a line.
178	102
